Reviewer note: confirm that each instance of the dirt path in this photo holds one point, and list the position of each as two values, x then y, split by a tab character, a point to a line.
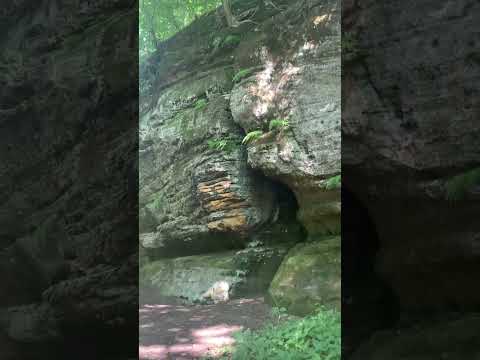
180	332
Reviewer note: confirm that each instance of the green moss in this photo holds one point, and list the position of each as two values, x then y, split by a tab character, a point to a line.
309	274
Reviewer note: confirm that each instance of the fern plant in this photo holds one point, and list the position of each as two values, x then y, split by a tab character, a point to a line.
201	104
335	182
458	186
227	144
252	136
243	73
278	124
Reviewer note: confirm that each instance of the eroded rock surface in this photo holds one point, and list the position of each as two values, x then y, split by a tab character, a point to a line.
202	190
68	150
409	124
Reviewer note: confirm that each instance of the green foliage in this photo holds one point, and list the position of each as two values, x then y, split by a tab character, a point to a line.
231	40
458	186
313	337
201	104
252	136
226	144
161	19
335	182
278	124
242	74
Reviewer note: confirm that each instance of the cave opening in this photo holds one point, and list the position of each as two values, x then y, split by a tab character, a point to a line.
368	303
285	226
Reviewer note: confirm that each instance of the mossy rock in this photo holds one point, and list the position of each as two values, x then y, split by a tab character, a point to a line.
309	275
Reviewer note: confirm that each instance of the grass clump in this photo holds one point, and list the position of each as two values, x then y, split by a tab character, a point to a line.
335	182
458	186
252	136
242	74
314	337
278	124
201	104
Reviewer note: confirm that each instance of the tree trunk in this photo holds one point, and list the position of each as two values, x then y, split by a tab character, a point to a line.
227	8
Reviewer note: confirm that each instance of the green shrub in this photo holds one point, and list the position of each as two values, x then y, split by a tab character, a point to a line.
201	104
313	337
335	182
458	186
242	74
278	124
252	136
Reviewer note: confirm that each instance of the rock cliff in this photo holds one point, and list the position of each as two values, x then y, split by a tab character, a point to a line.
240	146
68	188
410	126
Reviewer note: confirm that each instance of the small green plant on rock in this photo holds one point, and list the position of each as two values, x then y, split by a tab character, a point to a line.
335	182
252	136
231	40
243	73
278	124
458	186
226	144
200	104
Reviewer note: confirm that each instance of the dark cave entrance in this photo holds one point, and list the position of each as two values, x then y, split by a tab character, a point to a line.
267	245
285	227
368	304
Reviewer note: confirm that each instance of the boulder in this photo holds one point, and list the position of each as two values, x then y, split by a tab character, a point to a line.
310	275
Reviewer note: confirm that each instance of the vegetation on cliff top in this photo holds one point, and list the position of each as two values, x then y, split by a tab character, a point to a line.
161	19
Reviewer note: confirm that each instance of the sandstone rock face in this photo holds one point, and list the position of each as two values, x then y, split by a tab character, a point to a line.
201	190
309	275
195	197
302	85
68	142
410	123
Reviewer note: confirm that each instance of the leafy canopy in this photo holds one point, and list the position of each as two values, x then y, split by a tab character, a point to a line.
161	19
